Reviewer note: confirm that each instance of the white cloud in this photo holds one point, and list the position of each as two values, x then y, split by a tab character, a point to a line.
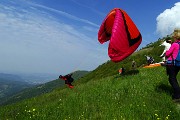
168	20
66	14
34	41
88	7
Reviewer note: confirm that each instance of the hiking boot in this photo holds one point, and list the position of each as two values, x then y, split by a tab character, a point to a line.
71	86
177	100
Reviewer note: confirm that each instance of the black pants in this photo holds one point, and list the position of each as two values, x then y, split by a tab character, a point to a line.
172	71
69	81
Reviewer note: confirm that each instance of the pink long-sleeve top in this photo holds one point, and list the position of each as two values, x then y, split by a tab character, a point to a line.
172	53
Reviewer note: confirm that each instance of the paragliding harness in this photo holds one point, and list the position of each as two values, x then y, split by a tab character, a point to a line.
68	80
175	62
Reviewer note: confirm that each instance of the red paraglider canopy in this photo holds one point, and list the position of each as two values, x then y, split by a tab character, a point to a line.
122	32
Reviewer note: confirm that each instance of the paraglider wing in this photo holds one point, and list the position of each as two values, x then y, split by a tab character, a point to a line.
122	32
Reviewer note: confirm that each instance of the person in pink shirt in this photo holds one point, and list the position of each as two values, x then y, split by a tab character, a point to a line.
173	70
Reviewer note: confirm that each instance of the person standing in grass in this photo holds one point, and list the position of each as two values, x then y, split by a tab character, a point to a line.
133	65
121	71
150	59
68	80
173	70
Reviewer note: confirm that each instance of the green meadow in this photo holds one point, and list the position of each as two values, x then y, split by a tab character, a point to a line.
141	95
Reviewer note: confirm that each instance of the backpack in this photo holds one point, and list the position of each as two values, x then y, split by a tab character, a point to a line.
177	60
69	78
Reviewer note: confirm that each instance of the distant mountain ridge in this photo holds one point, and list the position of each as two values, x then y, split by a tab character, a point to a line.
10	77
40	89
11	84
37	78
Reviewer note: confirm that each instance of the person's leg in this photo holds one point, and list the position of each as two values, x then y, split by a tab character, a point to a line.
66	82
172	72
70	85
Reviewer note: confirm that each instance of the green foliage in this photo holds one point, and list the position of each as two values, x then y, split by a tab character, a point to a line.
78	74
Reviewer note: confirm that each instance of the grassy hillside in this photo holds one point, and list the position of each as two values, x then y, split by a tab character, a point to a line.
141	94
107	69
110	68
146	95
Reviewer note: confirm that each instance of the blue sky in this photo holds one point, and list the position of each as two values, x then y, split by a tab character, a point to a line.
60	36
